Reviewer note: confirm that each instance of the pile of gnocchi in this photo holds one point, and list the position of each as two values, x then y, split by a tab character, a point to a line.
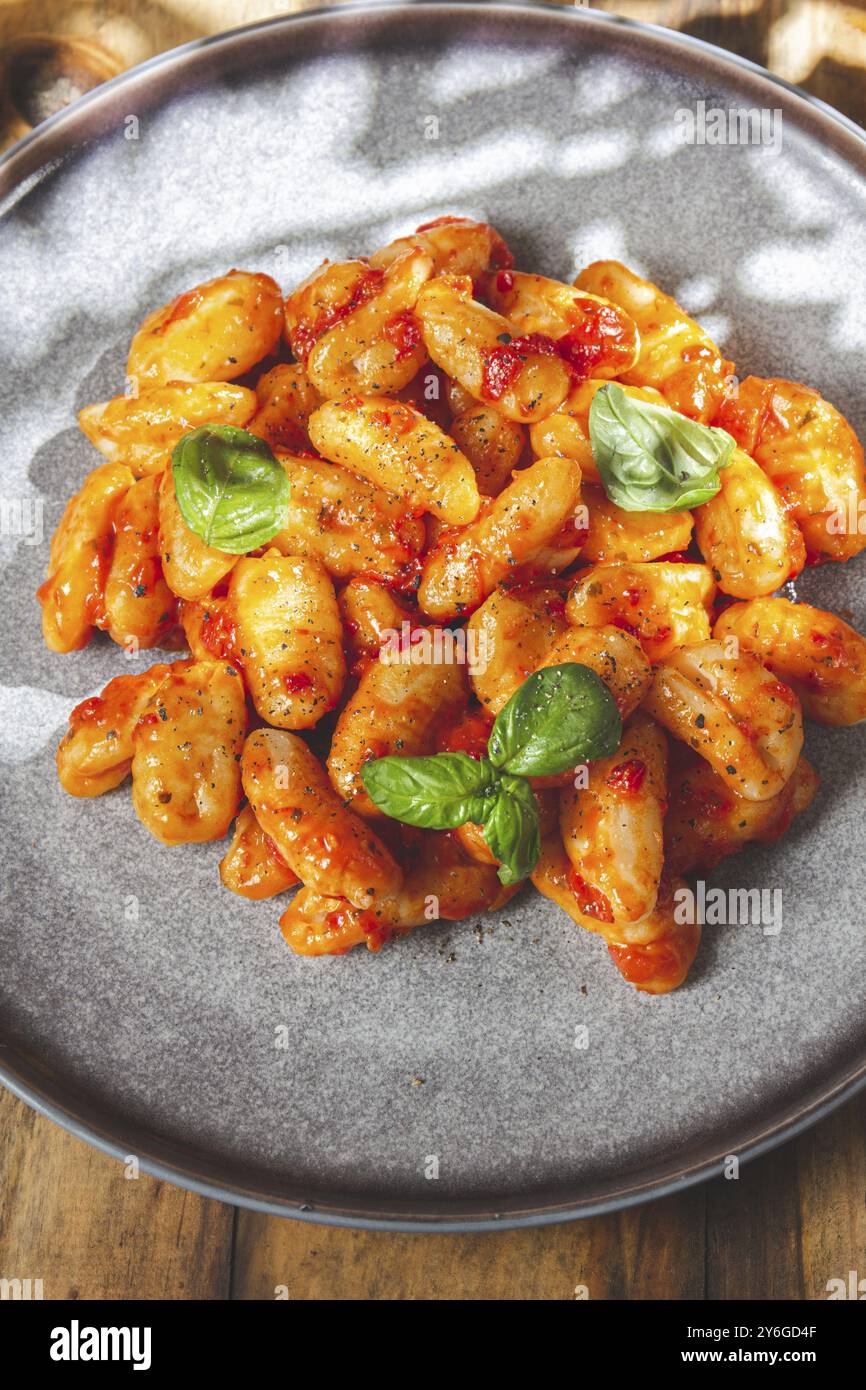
366	517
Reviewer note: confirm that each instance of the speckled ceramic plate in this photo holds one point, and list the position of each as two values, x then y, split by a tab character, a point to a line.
437	1084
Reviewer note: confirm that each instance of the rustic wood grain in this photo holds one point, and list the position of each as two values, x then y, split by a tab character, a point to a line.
651	1252
69	1217
794	1219
787	1225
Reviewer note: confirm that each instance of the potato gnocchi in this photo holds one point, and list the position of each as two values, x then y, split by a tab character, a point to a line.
375	515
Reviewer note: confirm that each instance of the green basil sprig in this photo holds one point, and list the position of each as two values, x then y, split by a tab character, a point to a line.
437	793
512	830
560	717
230	489
651	458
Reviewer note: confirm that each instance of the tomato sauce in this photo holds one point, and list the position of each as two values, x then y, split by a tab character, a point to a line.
470	735
627	777
658	963
502	365
404	331
307	332
181	308
296	681
590	901
601	335
218	634
448	221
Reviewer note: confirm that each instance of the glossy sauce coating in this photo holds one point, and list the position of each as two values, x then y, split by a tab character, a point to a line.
465	566
215	332
706	820
399	706
524	379
140	608
95	754
289	638
348	524
612	827
663	604
734	712
398	449
73	594
141	430
677	357
593	337
426	567
821	657
441	883
186	781
252	866
325	844
812	456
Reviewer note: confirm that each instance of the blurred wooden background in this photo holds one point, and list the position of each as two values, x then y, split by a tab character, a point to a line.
792	1222
52	50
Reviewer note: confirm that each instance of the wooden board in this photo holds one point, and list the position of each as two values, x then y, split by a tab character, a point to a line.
790	1223
75	1219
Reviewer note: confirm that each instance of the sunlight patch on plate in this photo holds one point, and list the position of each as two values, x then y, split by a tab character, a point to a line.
454	76
590	154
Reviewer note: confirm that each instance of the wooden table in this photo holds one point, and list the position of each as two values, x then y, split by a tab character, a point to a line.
790	1223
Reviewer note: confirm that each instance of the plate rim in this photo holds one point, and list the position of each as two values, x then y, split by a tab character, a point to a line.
349	1211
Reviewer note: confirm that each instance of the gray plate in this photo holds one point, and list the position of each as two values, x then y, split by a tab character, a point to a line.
154	1034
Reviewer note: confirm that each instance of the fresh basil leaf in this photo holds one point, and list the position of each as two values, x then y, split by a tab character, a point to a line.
558	718
438	792
512	831
652	459
231	490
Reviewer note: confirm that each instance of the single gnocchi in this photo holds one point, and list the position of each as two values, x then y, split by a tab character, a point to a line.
455	245
655	955
371	615
73	594
615	537
812	457
531	513
512	633
676	357
186	778
375	347
492	444
706	821
746	535
663	604
215	332
252	866
398	449
141	430
734	712
140	608
615	656
323	842
612	826
821	658
289	638
348	524
191	569
285	398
